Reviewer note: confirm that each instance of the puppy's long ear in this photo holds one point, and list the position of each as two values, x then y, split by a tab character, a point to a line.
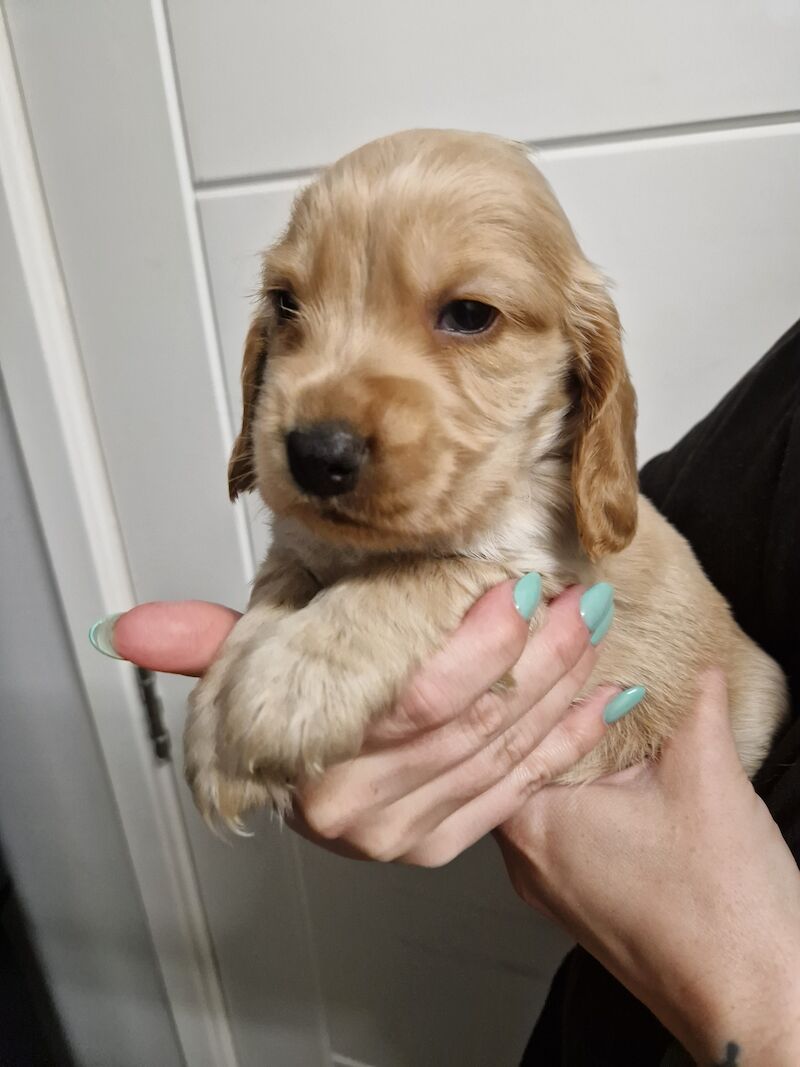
604	479
241	469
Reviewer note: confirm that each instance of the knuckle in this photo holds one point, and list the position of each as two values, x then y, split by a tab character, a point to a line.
485	719
423	703
581	672
581	738
577	736
508	640
386	852
430	856
382	844
563	647
532	775
324	820
510	751
380	853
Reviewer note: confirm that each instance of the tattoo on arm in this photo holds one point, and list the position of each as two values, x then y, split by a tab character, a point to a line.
732	1051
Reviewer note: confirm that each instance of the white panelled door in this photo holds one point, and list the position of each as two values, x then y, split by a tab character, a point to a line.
170	141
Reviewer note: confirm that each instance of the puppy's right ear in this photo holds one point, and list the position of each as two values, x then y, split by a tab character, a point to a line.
604	480
241	468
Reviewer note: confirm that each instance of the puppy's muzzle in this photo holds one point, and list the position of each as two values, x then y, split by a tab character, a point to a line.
326	459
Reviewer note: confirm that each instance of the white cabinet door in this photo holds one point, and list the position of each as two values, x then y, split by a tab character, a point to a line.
169	153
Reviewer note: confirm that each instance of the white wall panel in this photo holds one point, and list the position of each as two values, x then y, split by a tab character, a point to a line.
701	236
270	86
427	968
237	228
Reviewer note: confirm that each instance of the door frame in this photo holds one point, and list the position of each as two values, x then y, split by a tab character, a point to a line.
55	424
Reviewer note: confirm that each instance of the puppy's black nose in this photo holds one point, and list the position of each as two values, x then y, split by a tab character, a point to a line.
326	459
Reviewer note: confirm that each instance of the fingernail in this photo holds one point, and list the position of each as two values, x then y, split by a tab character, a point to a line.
602	628
623	703
595	604
527	593
101	634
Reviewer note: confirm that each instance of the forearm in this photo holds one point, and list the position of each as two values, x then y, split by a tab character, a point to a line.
677	880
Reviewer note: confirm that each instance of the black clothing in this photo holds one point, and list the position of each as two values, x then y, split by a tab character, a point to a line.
732	488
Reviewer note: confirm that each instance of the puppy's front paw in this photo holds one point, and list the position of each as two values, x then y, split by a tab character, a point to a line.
221	798
287	713
263	718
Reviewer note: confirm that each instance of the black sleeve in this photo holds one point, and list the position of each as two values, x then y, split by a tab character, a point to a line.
732	488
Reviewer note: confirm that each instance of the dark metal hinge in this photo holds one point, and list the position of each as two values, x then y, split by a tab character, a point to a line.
154	713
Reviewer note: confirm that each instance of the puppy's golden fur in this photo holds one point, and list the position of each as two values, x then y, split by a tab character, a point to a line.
489	455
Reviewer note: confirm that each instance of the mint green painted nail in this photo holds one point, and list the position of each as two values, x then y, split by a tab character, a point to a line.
595	604
101	635
527	593
623	703
603	626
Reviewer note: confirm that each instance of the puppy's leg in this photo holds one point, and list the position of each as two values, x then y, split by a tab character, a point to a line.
281	589
300	700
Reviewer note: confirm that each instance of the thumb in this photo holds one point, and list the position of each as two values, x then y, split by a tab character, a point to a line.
180	637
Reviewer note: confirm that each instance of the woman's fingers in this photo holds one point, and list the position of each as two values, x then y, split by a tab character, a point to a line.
574	737
448	790
492	727
485	646
552	668
434	773
179	637
469	714
695	761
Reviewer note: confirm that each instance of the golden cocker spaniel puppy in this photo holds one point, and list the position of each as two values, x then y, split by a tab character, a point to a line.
435	400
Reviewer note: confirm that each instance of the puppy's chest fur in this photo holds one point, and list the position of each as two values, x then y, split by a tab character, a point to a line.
535	530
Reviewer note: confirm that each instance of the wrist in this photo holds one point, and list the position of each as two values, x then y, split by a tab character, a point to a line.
766	1032
739	1015
712	987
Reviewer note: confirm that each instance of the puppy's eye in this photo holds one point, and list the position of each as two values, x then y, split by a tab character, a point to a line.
466	316
285	304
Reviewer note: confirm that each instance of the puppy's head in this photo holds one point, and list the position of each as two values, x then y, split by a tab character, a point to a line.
428	332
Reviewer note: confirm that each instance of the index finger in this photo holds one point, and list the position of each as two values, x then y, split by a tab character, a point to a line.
178	637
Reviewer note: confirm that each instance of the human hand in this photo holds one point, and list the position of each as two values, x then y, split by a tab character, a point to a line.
675	877
452	760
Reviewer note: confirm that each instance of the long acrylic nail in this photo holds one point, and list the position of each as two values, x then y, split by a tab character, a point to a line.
595	604
527	594
101	635
623	703
603	627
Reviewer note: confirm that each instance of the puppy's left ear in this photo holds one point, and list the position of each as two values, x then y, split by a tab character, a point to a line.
241	468
604	479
